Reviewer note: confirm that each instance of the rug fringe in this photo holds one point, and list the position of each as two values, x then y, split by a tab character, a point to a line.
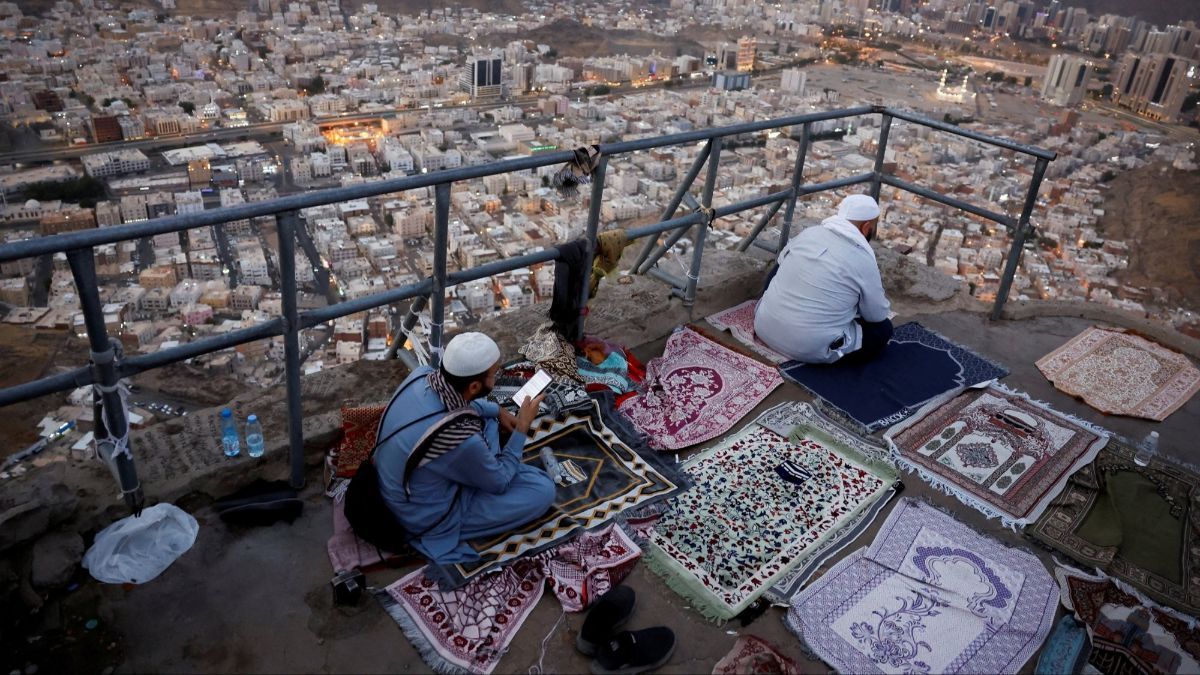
424	647
950	489
1090	426
653	557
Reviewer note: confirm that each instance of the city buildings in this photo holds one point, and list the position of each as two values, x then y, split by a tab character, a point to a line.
1066	80
1155	84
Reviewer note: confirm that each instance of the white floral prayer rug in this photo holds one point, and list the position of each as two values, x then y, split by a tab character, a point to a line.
1119	373
930	595
761	507
996	450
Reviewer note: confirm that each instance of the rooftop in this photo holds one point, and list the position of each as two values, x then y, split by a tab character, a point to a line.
258	600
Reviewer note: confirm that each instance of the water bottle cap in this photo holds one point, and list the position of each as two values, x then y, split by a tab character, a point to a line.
226	412
1153	434
252	418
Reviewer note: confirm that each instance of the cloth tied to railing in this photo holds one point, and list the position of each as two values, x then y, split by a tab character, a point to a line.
609	246
106	446
577	171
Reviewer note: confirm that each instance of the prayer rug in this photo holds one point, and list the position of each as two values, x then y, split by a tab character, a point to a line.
588	566
796	421
1066	651
616	480
697	390
470	628
917	366
762	506
348	552
466	630
1138	524
996	451
1119	373
359	427
1129	634
756	656
739	321
930	595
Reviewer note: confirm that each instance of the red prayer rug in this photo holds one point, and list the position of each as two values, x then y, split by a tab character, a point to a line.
697	390
469	629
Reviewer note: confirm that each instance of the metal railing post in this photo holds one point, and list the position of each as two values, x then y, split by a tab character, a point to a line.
104	368
710	185
652	259
406	325
441	246
673	205
286	224
884	131
785	229
593	227
1022	229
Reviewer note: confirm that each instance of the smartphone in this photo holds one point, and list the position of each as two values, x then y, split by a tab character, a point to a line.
532	388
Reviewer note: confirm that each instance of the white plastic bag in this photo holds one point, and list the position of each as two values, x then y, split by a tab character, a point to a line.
136	550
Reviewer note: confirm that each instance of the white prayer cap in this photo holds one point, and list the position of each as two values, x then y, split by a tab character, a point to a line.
470	354
858	208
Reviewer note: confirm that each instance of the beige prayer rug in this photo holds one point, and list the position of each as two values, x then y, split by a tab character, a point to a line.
1119	373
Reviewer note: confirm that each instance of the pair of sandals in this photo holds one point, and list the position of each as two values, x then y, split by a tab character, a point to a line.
622	652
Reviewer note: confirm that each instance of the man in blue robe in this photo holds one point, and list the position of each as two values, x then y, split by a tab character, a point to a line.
462	483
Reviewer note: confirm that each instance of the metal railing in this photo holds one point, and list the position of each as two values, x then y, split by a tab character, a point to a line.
107	369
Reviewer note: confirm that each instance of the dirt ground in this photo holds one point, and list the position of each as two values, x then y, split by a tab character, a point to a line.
1154	209
26	355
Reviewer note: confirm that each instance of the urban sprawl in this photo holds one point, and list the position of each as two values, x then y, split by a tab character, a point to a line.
121	115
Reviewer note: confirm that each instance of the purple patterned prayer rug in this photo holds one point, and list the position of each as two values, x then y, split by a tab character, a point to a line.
930	595
696	391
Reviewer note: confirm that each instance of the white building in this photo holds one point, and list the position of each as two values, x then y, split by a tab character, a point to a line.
1066	79
115	163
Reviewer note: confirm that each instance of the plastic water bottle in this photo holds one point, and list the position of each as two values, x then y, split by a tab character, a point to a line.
551	465
1146	450
254	437
229	434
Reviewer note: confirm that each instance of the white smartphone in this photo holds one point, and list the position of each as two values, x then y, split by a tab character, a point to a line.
532	388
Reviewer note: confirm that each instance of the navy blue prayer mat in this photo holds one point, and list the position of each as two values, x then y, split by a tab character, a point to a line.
624	479
916	367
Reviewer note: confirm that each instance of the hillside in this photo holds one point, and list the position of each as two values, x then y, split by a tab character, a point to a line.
573	39
1153	209
1161	12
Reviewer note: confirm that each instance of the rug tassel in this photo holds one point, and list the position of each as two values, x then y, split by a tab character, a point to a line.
653	559
949	489
411	631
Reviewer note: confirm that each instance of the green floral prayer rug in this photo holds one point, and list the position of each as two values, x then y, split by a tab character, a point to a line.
1135	523
763	505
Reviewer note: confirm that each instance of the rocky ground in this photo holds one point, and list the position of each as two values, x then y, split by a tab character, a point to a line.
1154	209
26	355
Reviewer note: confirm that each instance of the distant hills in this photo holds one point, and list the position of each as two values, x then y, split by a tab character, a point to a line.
1161	12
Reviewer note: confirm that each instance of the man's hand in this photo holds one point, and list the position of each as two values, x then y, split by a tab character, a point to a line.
508	421
528	413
